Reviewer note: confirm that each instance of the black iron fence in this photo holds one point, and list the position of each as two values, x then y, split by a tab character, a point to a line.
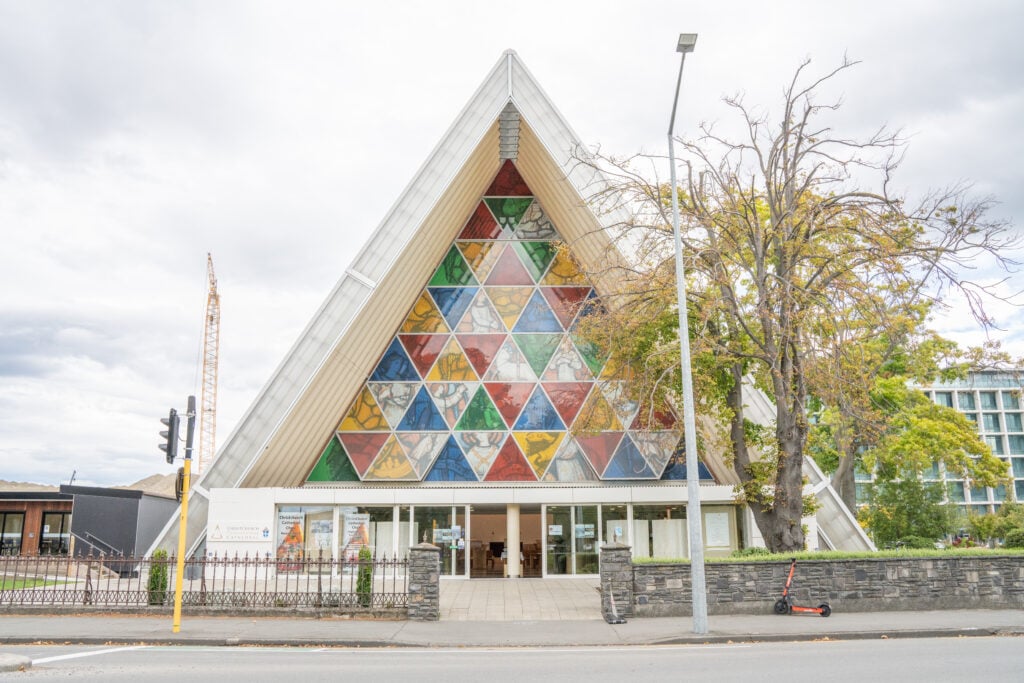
217	582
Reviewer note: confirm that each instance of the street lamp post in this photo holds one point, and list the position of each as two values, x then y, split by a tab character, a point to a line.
687	42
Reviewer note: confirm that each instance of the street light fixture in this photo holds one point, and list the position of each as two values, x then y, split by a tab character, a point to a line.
687	42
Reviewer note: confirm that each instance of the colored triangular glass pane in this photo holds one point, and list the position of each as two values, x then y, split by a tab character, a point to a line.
508	210
453	271
509	398
481	256
537	317
570	464
480	448
567	398
395	366
565	302
452	366
481	318
481	225
597	416
539	415
567	365
424	317
422	415
618	397
423	349
451	465
510	365
653	419
564	271
480	349
539	448
391	464
676	468
480	415
591	355
600	448
421	448
451	398
656	447
509	271
628	463
362	448
535	256
364	415
393	398
452	301
510	465
535	225
538	348
509	302
508	182
333	464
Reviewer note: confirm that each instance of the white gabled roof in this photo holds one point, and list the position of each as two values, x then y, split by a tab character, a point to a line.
279	438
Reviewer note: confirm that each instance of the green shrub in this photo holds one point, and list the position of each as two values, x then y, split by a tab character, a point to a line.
750	552
917	542
364	581
1014	539
157	585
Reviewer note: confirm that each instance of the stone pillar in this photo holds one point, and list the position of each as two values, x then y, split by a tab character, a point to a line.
616	580
424	582
513	568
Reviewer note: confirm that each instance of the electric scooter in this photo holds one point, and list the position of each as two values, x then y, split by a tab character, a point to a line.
784	605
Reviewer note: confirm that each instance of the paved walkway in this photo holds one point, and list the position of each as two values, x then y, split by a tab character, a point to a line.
520	599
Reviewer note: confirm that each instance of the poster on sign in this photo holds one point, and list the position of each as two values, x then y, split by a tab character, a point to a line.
290	540
356	534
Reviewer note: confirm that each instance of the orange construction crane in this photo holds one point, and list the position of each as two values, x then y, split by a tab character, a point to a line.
211	347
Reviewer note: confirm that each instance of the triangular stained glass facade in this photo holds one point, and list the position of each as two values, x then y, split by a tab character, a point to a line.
485	380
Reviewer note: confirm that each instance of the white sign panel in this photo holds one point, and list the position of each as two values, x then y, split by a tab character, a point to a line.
716	529
240	532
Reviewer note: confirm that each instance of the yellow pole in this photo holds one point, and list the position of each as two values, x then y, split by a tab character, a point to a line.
182	524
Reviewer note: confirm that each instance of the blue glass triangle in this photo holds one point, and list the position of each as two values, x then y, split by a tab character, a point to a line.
422	415
676	468
538	317
395	366
628	463
452	302
539	415
451	465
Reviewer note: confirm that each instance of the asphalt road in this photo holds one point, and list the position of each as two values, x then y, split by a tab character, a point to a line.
906	660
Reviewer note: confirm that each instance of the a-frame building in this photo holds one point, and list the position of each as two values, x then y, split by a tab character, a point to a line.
439	391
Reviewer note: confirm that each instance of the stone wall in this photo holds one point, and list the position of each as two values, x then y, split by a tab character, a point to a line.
424	582
863	585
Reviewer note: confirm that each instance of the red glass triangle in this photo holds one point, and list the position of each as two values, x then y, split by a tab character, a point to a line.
480	349
423	349
362	448
510	465
567	398
599	449
508	183
657	419
481	225
509	271
509	398
565	301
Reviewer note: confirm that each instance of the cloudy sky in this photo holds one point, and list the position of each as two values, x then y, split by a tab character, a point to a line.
137	136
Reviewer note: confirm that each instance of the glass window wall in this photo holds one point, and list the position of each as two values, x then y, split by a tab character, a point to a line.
965	400
1011	400
659	531
988	400
11	526
55	535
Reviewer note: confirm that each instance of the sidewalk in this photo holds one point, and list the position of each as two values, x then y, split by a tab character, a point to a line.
195	630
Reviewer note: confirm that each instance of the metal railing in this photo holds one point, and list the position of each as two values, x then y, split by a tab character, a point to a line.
216	582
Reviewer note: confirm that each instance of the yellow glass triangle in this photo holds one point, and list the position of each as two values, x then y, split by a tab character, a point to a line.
509	302
391	463
481	256
452	366
364	416
597	415
539	448
564	271
424	317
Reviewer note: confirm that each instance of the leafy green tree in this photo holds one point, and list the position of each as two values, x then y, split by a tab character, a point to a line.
904	508
786	251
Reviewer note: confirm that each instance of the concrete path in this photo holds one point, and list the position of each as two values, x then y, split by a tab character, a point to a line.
520	599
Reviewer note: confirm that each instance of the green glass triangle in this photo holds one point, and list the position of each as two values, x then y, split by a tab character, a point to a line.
333	465
538	348
480	415
453	271
536	256
508	210
590	354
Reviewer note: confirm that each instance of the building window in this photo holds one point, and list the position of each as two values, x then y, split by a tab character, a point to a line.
991	422
996	444
956	491
966	400
659	531
1019	486
988	400
1013	422
973	417
1016	444
11	526
944	398
1011	400
1018	467
55	535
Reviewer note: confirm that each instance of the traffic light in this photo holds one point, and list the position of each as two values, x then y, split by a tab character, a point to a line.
170	448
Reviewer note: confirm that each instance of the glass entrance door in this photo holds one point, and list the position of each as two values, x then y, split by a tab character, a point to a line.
572	538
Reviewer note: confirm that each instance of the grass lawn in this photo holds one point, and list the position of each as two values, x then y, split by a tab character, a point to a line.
23	582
